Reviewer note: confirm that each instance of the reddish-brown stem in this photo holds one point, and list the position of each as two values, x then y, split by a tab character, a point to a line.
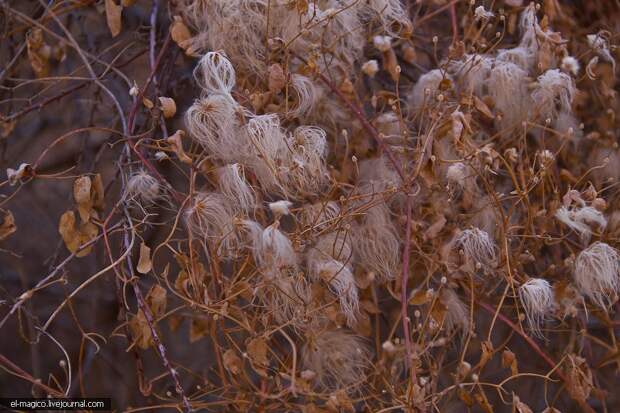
554	366
404	296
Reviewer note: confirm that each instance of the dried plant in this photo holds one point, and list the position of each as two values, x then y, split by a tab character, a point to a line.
327	205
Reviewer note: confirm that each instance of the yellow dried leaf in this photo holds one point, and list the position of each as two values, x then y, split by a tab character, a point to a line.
156	300
82	195
421	296
140	331
98	192
509	360
179	32
390	64
302	7
177	146
487	353
36	47
8	225
113	17
232	362
76	236
148	103
168	107
127	3
144	263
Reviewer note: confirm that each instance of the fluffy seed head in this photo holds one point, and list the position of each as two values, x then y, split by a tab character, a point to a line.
339	358
142	187
597	274
376	243
235	188
536	297
211	217
271	248
581	220
215	74
478	247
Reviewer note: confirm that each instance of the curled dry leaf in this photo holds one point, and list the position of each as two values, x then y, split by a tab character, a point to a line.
140	331
232	362
257	351
156	300
8	226
139	326
113	17
14	176
277	78
510	360
168	106
198	329
38	52
580	383
144	263
88	195
81	193
519	406
76	235
177	146
180	33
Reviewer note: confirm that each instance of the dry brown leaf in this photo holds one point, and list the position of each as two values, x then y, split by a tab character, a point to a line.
420	296
232	362
39	59
390	64
174	322
519	406
257	351
168	107
113	17
98	192
127	3
8	226
76	236
435	228
510	360
179	32
580	383
302	7
144	263
156	300
148	103
140	331
198	329
363	327
483	402
6	128
483	108
487	353
370	307
82	194
276	78
177	146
